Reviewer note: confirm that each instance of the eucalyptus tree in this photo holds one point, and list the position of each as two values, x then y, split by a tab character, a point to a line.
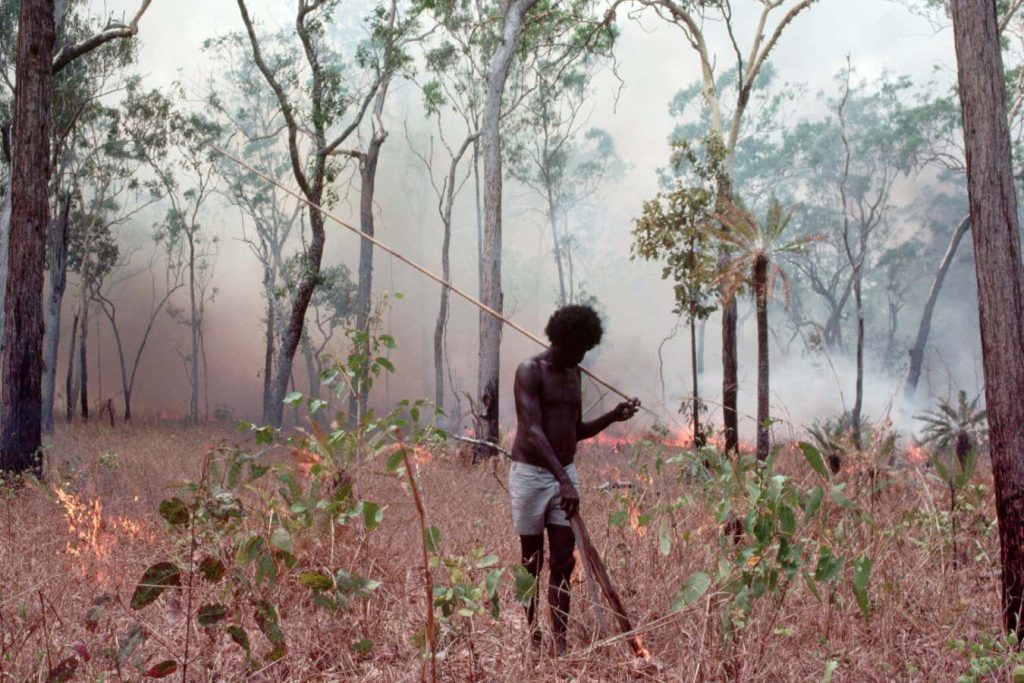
695	19
42	52
176	147
996	236
319	119
557	34
552	152
108	192
246	105
948	154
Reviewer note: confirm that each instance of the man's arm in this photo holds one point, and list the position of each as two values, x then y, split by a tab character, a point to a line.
620	413
527	394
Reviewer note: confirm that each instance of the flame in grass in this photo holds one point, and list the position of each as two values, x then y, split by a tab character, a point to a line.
93	535
634	519
916	454
640	651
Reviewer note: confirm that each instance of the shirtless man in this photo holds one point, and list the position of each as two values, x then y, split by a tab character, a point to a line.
543	486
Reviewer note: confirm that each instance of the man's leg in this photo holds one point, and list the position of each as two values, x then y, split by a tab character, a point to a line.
561	542
533	558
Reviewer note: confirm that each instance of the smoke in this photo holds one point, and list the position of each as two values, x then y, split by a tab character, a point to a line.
631	103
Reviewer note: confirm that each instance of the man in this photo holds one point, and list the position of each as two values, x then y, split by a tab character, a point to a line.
543	486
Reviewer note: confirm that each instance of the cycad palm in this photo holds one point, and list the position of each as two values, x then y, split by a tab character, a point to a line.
956	428
754	248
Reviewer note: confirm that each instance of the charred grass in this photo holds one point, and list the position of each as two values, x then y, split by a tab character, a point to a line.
69	565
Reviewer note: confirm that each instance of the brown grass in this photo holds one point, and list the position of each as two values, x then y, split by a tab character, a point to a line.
59	559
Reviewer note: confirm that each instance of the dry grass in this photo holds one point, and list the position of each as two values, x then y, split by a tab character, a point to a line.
57	559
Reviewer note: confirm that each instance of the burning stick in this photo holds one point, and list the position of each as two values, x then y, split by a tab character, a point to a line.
596	573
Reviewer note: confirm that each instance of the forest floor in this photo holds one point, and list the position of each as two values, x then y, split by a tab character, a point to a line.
73	552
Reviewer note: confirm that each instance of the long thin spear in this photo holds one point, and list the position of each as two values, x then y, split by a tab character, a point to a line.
436	278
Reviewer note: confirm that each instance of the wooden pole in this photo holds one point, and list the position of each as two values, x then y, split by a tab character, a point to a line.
436	278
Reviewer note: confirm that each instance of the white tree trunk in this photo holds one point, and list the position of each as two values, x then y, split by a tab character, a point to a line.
487	427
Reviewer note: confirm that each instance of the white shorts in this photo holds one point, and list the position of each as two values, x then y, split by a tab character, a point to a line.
533	491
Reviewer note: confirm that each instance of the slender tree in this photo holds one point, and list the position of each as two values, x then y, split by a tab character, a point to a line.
997	254
694	19
755	250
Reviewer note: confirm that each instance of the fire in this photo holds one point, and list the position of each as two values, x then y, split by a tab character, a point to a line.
639	650
422	456
916	454
634	520
92	536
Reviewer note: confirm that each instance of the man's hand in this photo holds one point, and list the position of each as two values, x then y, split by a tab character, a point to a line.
626	410
570	498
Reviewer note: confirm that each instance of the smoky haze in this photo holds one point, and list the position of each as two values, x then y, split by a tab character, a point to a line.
631	102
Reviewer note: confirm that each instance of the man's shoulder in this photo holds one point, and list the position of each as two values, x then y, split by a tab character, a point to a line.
530	365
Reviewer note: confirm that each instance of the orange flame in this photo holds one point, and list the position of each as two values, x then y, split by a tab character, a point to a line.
639	650
916	454
634	520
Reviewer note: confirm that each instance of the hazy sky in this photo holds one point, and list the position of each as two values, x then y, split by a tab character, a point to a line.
654	62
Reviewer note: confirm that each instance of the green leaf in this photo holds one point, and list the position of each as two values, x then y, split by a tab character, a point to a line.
293	399
861	580
386	364
316	404
155	580
814	459
693	590
619	517
266	619
316	581
387	340
362	647
209	615
787	521
487	561
372	515
664	540
212	569
239	635
174	511
525	585
395	459
839	498
129	642
163	669
813	503
282	540
432	537
828	565
253	548
264	435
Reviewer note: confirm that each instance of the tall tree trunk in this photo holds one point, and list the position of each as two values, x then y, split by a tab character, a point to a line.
21	397
858	401
312	366
761	301
69	380
82	383
268	354
440	327
730	367
368	179
1000	279
57	261
924	329
194	322
562	300
489	368
698	436
5	234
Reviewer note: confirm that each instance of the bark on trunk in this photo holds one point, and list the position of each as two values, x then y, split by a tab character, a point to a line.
82	384
368	179
57	260
5	234
924	329
312	366
69	380
268	356
698	436
194	323
858	401
761	300
997	253
487	419
22	365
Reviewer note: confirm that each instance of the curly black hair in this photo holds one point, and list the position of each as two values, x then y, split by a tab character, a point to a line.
575	327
